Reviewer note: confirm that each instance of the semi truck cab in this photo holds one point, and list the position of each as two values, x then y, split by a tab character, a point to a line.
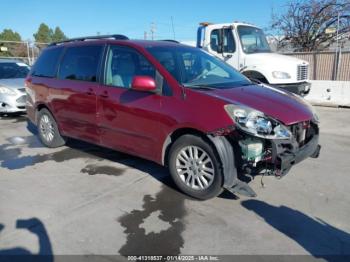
245	47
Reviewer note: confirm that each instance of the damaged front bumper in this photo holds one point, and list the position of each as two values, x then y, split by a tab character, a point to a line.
286	155
278	157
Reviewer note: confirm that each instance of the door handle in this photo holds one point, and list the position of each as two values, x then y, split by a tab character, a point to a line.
104	94
90	92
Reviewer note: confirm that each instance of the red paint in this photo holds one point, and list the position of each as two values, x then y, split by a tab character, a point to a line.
143	83
139	122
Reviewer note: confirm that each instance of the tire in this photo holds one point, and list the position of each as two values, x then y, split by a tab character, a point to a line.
48	130
189	177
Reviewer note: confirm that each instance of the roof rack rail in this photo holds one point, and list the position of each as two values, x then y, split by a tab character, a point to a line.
171	40
116	37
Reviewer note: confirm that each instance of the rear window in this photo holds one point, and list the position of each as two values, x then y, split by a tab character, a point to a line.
12	70
46	65
80	63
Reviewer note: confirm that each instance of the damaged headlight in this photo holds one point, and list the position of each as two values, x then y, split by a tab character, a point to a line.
256	123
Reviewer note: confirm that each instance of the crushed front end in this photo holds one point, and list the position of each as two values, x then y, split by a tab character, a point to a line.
255	155
262	145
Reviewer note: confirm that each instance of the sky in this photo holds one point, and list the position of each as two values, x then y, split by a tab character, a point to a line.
132	17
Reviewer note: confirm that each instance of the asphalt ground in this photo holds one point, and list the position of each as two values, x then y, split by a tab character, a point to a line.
82	199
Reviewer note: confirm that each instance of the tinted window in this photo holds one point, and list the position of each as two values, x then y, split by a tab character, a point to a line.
46	65
80	63
13	70
228	41
123	64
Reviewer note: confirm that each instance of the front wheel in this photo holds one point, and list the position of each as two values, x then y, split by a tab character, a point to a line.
48	130
195	167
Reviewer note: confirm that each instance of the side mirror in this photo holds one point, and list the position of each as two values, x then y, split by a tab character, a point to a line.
143	83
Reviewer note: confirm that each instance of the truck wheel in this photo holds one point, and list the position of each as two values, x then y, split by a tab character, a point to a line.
195	168
48	130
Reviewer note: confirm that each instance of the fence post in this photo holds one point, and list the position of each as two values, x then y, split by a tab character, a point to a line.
28	54
314	67
335	66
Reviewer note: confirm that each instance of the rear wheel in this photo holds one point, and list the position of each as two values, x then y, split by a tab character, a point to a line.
48	130
195	168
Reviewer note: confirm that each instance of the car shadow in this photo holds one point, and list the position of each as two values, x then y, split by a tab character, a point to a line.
157	171
36	227
76	148
317	237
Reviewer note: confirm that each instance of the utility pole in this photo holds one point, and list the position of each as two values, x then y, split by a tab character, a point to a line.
153	30
337	50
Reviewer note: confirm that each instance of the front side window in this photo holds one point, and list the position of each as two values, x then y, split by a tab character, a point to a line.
81	63
123	63
46	65
10	70
228	41
253	40
195	68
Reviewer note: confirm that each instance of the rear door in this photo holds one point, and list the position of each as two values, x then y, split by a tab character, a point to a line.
129	119
74	93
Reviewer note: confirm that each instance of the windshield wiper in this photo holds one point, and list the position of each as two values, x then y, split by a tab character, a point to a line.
205	87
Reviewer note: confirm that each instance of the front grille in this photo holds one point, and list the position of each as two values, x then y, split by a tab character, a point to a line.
299	131
302	72
303	132
22	99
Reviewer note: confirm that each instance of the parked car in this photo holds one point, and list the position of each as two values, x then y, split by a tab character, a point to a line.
172	104
12	90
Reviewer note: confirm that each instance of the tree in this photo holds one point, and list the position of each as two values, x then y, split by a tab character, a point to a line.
44	34
310	25
58	35
13	49
9	35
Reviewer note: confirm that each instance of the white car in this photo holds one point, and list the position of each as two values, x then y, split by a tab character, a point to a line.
12	89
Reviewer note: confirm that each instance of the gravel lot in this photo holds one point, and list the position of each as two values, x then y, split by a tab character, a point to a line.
82	199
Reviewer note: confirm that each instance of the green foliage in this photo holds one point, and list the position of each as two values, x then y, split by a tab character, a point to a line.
58	35
44	34
9	35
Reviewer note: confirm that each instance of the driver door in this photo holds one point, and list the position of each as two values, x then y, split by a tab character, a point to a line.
230	50
128	119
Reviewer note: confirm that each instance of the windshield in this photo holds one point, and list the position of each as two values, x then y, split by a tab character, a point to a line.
195	68
253	40
13	70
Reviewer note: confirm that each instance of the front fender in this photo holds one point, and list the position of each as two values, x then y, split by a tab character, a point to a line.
227	157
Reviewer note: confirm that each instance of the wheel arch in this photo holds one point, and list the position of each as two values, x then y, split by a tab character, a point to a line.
253	74
172	137
41	106
221	145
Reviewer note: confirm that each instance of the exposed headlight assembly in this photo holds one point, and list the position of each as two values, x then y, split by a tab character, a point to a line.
7	91
256	123
280	75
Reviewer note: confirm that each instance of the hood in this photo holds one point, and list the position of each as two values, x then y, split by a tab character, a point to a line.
282	106
16	83
272	58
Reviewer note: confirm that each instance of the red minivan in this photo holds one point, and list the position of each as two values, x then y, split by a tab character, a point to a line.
172	104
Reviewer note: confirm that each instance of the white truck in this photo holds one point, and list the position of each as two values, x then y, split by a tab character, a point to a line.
244	46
